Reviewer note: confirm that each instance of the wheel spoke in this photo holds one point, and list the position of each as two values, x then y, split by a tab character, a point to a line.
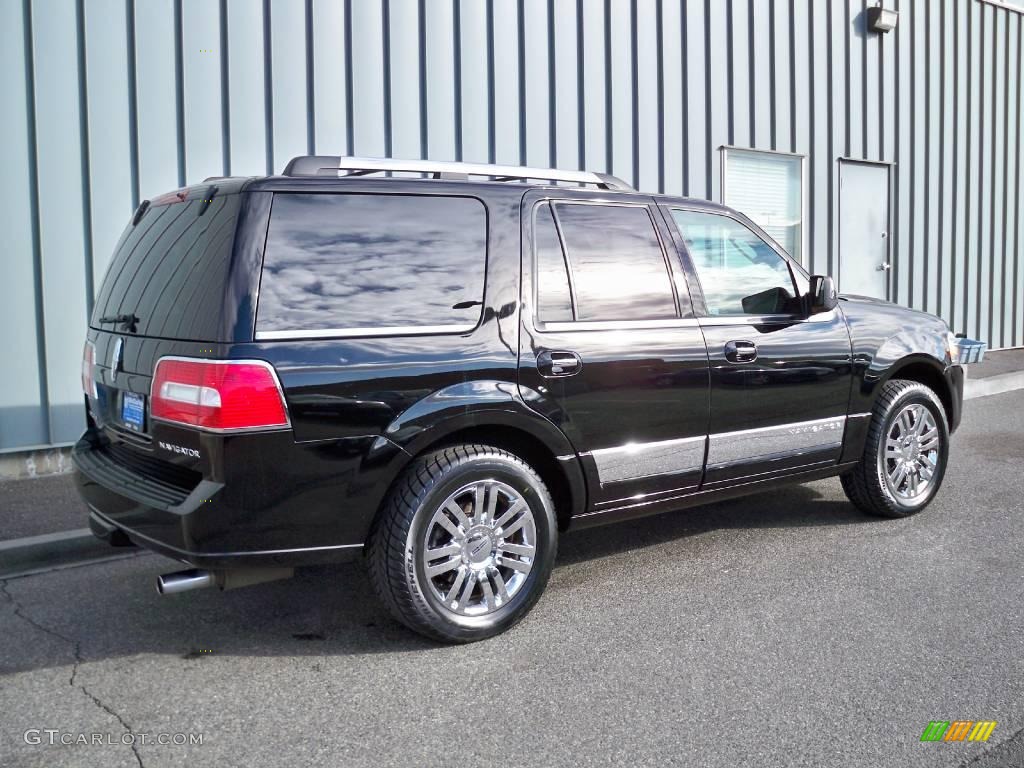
450	564
912	478
892	448
516	565
499	581
467	590
492	502
453	592
515	525
509	513
526	550
459	514
904	422
898	476
440	518
920	420
926	469
488	590
479	498
446	551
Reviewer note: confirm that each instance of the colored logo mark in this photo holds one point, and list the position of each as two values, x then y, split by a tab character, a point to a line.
958	730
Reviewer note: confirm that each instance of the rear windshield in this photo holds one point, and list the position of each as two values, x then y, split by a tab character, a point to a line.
170	269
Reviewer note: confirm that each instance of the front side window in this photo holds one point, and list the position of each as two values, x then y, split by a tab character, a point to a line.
618	268
370	262
739	273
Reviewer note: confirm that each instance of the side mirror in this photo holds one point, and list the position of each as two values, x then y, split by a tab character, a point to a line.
822	296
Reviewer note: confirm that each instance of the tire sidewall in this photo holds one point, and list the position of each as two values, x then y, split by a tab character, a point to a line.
498	466
921	396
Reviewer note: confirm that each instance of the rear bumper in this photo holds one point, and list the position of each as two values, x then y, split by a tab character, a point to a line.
212	524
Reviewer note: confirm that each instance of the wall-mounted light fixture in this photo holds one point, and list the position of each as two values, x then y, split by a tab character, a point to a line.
882	19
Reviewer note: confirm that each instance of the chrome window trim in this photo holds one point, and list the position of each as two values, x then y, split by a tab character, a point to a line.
599	325
349	333
610	325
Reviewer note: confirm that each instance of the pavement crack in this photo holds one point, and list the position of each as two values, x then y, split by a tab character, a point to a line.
76	647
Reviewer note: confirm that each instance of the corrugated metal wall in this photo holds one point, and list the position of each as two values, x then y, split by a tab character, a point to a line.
111	101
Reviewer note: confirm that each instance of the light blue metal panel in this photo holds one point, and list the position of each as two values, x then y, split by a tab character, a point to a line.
698	149
947	123
506	83
595	124
405	80
738	40
473	47
330	118
440	82
647	118
900	278
54	40
1013	318
856	40
872	127
368	129
718	91
887	80
672	68
156	97
247	104
23	419
783	73
761	54
536	72
995	289
568	136
288	68
822	170
622	90
918	159
987	88
110	173
931	254
975	173
960	168
801	79
836	114
202	96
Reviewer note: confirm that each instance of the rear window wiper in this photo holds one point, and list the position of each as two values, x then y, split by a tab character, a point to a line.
127	322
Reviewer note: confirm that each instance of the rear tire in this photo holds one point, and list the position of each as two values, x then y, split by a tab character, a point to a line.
465	543
905	453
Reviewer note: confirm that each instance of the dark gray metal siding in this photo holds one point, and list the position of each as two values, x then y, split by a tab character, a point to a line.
111	101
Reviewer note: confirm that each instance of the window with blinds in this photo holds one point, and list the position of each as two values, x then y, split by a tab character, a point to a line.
767	187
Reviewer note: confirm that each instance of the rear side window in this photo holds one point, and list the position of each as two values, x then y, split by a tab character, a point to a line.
554	297
618	269
363	263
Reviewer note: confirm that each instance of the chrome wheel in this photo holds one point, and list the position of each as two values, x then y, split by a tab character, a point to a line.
910	455
479	548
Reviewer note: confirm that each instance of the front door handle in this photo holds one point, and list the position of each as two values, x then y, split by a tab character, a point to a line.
741	352
558	363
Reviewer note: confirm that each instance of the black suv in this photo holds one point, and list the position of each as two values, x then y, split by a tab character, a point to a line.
439	369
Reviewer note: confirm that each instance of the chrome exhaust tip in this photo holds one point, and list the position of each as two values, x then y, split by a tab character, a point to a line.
183	581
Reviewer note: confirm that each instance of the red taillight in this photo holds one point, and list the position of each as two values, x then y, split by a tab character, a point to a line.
88	369
218	395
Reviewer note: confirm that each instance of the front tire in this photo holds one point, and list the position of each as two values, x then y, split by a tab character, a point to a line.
465	543
905	452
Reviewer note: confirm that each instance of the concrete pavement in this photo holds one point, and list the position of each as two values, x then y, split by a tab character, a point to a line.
781	629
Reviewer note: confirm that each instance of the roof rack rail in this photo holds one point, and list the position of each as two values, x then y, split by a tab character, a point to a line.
331	165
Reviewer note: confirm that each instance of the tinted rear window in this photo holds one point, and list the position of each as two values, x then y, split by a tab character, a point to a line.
371	262
170	269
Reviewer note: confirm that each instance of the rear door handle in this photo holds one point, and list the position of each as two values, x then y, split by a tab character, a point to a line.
558	363
741	351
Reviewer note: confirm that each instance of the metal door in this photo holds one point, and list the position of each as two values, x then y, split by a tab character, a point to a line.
864	229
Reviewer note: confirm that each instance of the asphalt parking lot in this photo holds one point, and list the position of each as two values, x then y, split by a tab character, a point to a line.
781	629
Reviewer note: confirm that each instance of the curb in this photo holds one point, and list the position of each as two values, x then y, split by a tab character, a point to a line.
993	385
35	554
